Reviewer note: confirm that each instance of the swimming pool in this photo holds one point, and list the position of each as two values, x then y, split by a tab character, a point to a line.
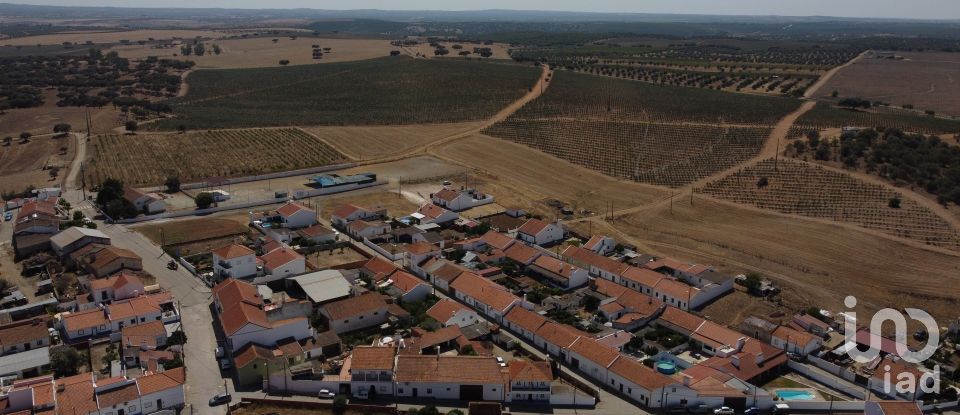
796	395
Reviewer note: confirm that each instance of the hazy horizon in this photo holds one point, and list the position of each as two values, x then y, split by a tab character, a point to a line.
919	9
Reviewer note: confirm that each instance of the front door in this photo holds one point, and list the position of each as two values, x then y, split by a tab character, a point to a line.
414	392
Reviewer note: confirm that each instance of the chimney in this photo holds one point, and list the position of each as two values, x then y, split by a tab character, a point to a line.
740	342
735	359
759	358
686	380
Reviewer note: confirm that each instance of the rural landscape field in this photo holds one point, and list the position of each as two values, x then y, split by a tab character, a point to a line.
662	194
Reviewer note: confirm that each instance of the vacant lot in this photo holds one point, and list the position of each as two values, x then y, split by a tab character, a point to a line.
926	80
147	159
192	236
398	90
523	177
22	165
396	206
108	37
364	143
40	120
264	52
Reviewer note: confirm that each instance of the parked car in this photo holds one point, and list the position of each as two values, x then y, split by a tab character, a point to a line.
8	216
724	410
361	394
225	364
753	410
219	352
220	399
172	264
326	394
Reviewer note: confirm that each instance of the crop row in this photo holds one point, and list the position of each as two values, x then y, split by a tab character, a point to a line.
824	116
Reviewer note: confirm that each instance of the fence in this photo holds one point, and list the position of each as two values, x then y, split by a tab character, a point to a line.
381	251
828	379
826	405
316	406
266	176
834	369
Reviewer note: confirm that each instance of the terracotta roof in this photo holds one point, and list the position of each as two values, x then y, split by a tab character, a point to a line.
522	370
378	265
667	263
232	291
422	248
39	207
232	251
118	395
898	407
344	309
143	334
132	193
639	303
445	270
594	351
24	331
443	335
85	319
484	291
585	256
609	288
315	230
463	370
897	366
533	226
744	365
431	210
111	253
134	307
676	289
555	266
291	208
526	319
251	352
116	281
360	224
77	393
522	253
797	337
497	240
165	380
346	210
639	374
616	339
279	257
558	334
642	276
447	194
405	281
681	319
372	358
444	309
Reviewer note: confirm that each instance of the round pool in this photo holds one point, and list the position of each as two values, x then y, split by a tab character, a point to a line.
666	367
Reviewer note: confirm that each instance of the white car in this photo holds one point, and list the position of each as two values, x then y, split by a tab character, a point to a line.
325	394
724	410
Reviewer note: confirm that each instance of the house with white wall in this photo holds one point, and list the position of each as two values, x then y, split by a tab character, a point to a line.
360	229
120	286
245	318
795	341
347	213
601	244
560	273
524	322
372	370
148	203
529	381
539	232
466	378
355	313
431	213
460	200
283	262
484	295
234	261
449	312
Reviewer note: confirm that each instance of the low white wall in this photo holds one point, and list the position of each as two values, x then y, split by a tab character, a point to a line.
381	251
824	405
303	387
829	380
267	176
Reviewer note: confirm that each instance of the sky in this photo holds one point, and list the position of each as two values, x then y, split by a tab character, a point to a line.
920	9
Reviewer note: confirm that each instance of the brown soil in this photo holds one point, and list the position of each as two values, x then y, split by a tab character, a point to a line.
22	165
363	143
107	37
192	230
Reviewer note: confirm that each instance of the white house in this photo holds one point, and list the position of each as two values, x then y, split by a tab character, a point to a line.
556	338
459	200
795	341
117	287
484	295
562	274
245	318
355	313
408	288
234	261
431	213
466	378
539	232
524	322
348	213
144	202
360	229
646	385
449	312
529	381
295	215
591	358
283	262
603	245
74	238
318	234
371	369
598	265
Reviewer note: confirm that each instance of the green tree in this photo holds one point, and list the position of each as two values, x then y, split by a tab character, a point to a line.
173	184
204	200
110	355
131	126
177	338
65	361
176	362
284	62
62	128
339	404
25	136
590	303
111	189
752	282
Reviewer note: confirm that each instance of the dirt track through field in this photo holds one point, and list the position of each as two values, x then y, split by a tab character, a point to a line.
826	77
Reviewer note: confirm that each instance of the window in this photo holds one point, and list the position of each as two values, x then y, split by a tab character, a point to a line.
80	332
399	390
429	390
346	321
361	317
376	312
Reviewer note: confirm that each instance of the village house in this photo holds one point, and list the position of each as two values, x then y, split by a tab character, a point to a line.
560	273
234	261
139	310
355	313
449	312
601	245
140	338
377	269
85	324
795	341
441	272
283	262
24	335
372	369
245	317
530	381
466	378
522	254
887	379
74	238
148	203
524	322
120	286
460	200
318	234
361	229
556	338
591	358
431	213
540	232
407	288
418	252
599	266
100	260
624	308
486	296
645	385
810	324
347	213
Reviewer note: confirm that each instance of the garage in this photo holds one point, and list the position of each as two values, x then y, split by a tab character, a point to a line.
471	392
735	403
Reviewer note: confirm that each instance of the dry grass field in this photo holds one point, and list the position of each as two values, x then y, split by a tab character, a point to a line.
147	159
108	37
396	206
263	52
364	143
40	120
196	235
22	165
521	176
500	50
926	80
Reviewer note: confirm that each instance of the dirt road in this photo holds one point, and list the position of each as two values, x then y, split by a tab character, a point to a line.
826	77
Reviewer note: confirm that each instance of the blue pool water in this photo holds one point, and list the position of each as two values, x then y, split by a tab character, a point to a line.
795	395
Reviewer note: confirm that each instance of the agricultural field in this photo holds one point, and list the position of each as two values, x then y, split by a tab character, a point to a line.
192	236
662	135
925	80
397	90
795	187
257	52
148	159
826	116
25	164
777	83
85	37
364	143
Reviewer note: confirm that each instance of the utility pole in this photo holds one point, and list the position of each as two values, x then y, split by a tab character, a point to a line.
399	187
671	203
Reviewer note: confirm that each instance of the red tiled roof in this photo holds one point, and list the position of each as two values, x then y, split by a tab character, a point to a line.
463	370
797	337
346	210
447	194
898	407
372	358
232	251
24	331
593	242
315	230
431	210
590	258
555	266
346	308
594	351
558	334
134	307
642	276
422	248
639	374
533	226
165	380
444	309
291	208
484	291
526	319
522	370
251	352
522	253
77	393
497	240
279	257
378	265
143	334
85	319
676	289
405	281
681	319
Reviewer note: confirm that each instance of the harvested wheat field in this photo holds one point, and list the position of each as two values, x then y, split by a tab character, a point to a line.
108	37
926	80
364	143
147	159
524	177
820	263
40	120
264	52
23	164
795	187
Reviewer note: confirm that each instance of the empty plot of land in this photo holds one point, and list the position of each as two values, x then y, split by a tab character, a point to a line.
395	206
264	52
148	159
196	235
363	143
40	120
926	80
23	164
397	90
800	188
523	177
822	263
108	37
